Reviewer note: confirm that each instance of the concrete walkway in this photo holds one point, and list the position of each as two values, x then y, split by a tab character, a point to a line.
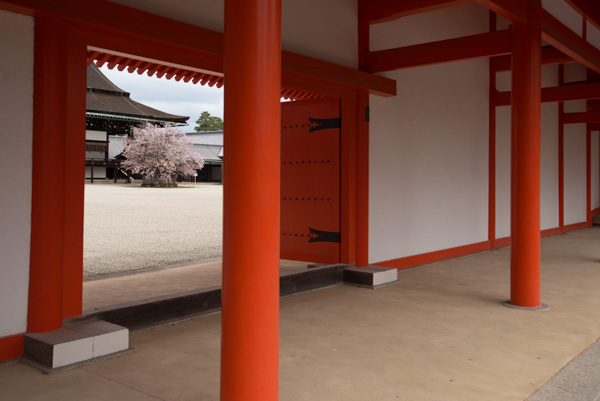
439	333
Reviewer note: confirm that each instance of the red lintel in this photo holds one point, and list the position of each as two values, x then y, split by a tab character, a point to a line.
550	56
126	30
388	10
307	66
464	48
567	41
564	93
582	117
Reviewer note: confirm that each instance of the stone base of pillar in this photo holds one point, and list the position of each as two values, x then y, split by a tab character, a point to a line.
370	276
541	307
73	345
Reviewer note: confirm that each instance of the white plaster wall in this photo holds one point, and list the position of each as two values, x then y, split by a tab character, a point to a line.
575	174
326	30
548	157
447	23
549	167
595	170
565	14
95	155
16	119
503	140
429	161
593	35
99	172
95	135
575	72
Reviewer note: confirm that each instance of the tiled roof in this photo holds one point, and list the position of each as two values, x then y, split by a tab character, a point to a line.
105	97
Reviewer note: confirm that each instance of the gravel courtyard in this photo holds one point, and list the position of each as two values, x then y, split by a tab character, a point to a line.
131	228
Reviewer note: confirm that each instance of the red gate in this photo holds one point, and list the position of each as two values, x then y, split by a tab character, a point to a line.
310	180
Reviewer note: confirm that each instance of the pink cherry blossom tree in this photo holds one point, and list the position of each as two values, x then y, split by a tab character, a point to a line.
159	154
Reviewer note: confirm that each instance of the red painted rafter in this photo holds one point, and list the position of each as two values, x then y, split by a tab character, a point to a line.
377	11
567	41
514	10
564	93
464	48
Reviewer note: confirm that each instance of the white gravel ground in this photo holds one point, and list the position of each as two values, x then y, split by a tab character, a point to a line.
130	228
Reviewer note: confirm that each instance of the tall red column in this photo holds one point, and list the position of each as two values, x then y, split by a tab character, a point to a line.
45	308
250	299
525	162
74	130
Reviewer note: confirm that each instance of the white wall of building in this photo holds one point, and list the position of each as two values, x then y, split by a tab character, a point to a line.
503	141
16	122
595	170
326	30
93	155
96	135
429	150
99	172
549	155
593	35
565	14
429	161
575	191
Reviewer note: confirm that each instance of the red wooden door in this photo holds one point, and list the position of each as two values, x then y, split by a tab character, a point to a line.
310	180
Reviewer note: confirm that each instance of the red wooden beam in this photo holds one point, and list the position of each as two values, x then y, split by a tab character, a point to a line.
550	56
588	8
565	93
109	26
567	41
594	126
309	67
388	10
464	48
582	117
514	10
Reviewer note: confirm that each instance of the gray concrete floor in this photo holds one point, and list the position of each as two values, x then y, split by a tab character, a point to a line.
439	333
155	283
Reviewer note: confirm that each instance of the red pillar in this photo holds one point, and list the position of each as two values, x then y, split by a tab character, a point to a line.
525	161
250	299
45	309
75	95
362	181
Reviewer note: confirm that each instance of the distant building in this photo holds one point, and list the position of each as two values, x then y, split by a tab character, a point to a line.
110	115
209	144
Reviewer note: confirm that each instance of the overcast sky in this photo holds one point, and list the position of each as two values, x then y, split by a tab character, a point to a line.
168	95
